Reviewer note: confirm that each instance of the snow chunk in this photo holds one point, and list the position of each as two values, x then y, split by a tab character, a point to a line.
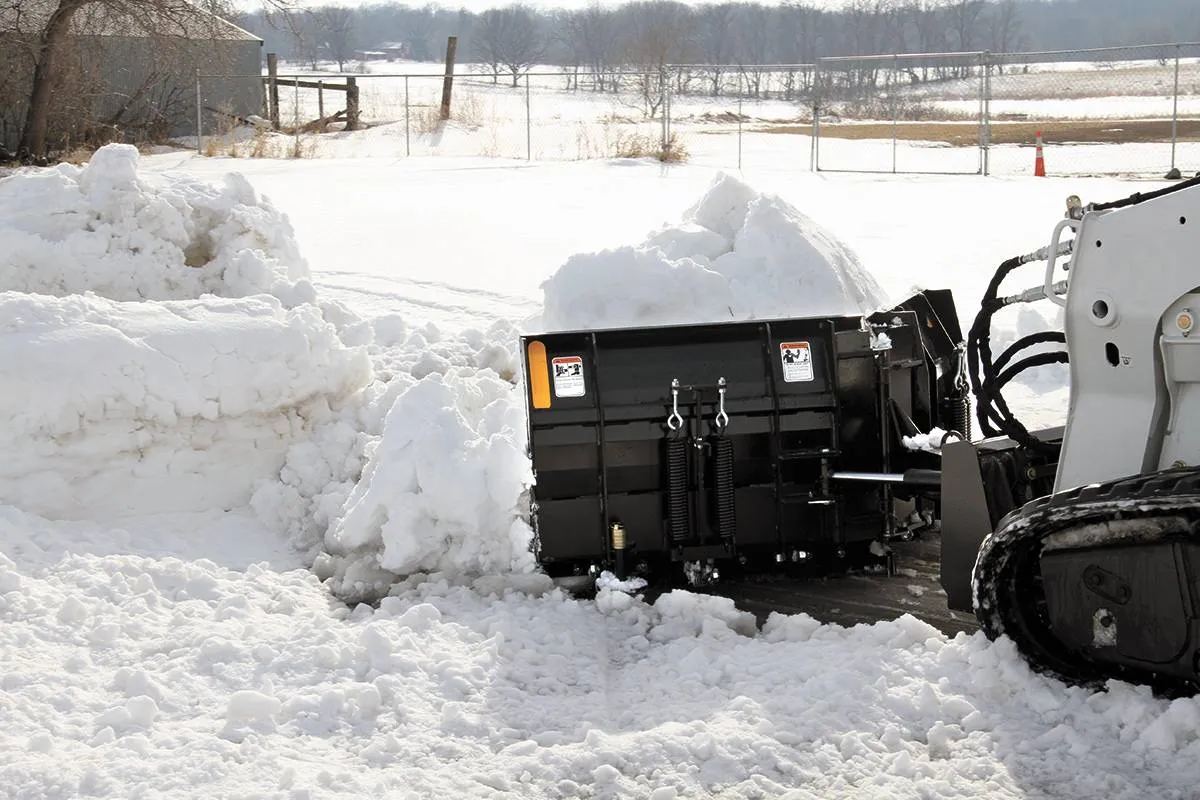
737	255
608	580
441	491
926	442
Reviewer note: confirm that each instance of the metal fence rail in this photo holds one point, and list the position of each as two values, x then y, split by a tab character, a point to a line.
1131	111
1122	110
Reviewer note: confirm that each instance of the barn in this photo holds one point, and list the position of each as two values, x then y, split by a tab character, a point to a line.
129	71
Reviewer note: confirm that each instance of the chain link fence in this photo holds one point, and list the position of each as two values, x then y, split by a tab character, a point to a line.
1129	111
873	114
701	112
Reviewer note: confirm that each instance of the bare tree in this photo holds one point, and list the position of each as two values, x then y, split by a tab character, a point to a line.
965	18
338	24
509	38
1004	27
714	41
656	33
753	45
591	35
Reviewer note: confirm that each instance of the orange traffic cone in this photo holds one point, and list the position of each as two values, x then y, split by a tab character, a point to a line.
1039	162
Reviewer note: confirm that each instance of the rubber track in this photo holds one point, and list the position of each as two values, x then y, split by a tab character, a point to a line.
1007	579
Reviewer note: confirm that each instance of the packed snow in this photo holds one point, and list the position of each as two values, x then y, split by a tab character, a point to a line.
215	450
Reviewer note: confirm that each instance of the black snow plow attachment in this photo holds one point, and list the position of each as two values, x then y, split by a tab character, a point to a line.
686	452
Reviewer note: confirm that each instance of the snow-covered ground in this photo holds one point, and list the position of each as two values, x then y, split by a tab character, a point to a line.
236	405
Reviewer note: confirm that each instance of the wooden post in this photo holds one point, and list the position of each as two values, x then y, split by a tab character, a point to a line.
273	89
321	99
448	81
351	104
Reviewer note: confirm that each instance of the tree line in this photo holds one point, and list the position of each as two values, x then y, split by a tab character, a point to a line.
650	33
52	62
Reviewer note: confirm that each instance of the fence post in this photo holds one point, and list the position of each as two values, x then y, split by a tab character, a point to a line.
407	126
667	112
296	118
273	90
1174	173
448	79
895	106
352	108
740	93
814	157
528	122
199	117
321	99
985	114
663	102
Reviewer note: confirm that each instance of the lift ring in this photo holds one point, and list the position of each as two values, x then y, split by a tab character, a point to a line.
722	419
674	420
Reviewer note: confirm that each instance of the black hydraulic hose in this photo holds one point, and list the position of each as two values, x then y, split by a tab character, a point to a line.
1138	197
979	350
989	375
1044	337
985	372
1035	360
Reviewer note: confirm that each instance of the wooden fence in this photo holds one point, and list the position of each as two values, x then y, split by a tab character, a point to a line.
349	115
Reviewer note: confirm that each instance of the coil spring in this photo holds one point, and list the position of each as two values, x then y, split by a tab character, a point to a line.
724	493
960	415
678	514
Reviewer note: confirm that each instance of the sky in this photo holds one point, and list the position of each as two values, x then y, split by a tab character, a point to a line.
292	389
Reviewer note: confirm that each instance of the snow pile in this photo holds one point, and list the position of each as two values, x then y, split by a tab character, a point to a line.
737	255
131	385
104	228
115	408
441	490
427	472
132	403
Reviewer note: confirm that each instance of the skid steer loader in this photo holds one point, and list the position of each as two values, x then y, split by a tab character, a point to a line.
693	453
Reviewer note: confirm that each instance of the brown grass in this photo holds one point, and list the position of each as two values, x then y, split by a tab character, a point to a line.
1105	131
639	146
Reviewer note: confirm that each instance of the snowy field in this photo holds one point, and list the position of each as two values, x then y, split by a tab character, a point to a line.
238	404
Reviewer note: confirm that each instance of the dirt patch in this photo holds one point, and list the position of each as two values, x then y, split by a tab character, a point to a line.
1101	131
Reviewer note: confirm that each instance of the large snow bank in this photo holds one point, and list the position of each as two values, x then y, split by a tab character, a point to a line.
737	255
173	391
105	228
130	385
113	408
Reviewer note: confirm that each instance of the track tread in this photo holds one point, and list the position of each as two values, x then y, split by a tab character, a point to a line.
1006	581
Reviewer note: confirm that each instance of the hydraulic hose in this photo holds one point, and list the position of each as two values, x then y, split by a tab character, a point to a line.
989	375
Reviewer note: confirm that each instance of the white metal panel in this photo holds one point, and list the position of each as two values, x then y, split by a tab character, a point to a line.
1130	267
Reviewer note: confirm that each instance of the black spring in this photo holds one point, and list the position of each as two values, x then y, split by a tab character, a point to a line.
678	512
960	415
723	494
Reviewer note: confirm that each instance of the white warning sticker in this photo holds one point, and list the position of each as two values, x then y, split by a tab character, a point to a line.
568	376
797	361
